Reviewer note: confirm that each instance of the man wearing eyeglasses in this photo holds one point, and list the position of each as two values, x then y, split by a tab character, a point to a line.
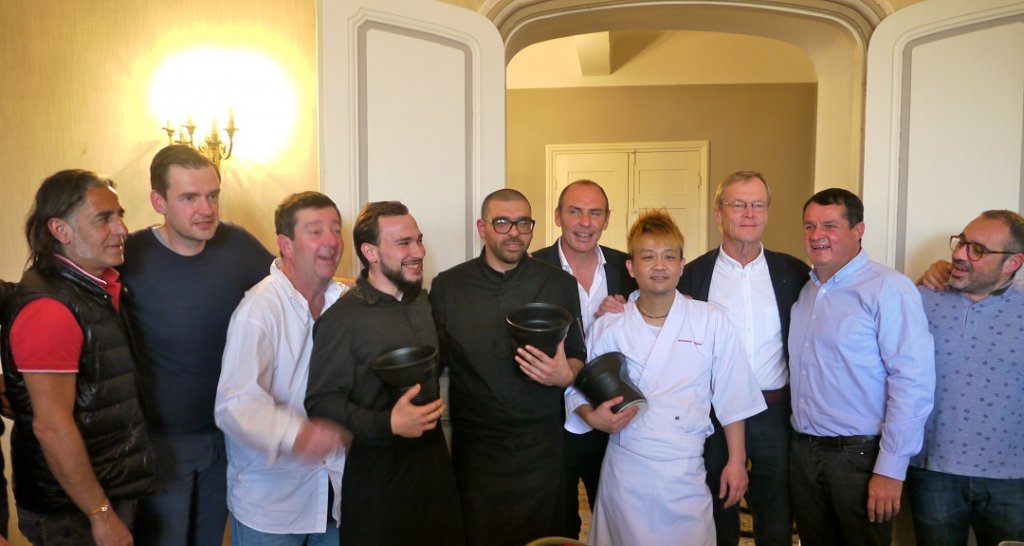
582	213
862	374
757	288
506	404
970	472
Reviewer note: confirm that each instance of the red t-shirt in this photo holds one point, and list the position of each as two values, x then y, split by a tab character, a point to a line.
45	336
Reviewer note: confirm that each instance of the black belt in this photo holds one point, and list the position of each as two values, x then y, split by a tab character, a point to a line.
836	442
777	395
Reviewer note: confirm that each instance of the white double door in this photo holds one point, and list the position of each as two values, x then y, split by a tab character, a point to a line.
636	177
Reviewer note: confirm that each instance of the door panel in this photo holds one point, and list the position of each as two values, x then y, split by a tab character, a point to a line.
944	126
672	181
637	176
412	109
610	170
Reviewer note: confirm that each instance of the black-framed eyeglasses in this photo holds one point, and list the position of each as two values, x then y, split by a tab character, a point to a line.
504	225
975	251
740	205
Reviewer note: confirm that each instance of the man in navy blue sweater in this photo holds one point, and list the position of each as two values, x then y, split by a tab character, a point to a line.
185	277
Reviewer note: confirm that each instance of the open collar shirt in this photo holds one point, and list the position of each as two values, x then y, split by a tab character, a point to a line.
590	301
260	408
862	360
746	294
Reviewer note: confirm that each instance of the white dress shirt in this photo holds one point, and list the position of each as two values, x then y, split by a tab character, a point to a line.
746	294
590	301
260	408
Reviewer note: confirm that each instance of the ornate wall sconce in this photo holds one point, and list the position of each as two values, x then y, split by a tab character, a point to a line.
212	146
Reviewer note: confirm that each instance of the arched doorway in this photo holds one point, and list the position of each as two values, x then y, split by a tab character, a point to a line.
834	35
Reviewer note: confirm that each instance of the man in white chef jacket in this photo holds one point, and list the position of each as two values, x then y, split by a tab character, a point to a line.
684	356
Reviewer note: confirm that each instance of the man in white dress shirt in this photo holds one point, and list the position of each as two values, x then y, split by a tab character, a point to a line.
284	470
757	288
600	272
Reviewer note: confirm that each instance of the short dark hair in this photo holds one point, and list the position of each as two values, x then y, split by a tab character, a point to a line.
837	196
284	215
367	228
584	182
504	194
175	154
1013	222
736	177
59	196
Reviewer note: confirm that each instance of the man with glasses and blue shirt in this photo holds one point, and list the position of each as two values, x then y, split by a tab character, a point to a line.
862	376
970	472
757	288
506	404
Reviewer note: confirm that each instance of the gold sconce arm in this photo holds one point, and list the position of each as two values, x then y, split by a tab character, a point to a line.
212	146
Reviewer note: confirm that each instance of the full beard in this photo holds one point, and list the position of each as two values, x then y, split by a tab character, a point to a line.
408	289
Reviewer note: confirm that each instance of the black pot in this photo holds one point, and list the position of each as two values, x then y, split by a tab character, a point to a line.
402	368
541	325
604	378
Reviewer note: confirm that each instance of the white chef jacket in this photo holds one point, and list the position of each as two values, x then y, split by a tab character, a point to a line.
652	488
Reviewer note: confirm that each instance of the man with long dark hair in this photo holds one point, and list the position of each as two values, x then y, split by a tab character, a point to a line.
81	454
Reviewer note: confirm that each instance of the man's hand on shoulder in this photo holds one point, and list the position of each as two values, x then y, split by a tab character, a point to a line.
611	304
936	276
411	421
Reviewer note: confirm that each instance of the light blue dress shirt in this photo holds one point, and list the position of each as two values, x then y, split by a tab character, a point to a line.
862	360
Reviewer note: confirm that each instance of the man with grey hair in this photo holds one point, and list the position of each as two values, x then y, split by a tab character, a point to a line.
756	287
81	455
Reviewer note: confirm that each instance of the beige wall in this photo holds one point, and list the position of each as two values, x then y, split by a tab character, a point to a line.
75	93
75	79
765	127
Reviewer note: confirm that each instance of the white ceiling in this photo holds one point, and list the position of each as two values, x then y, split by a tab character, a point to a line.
658	58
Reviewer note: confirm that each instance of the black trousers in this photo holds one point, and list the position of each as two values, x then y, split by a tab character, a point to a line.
767	442
829	486
584	454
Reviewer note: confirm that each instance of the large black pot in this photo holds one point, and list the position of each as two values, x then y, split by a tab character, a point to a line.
604	378
541	325
402	368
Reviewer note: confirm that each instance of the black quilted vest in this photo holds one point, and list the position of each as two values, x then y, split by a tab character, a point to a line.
106	410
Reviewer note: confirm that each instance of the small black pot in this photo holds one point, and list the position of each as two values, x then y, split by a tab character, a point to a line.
402	368
604	378
542	325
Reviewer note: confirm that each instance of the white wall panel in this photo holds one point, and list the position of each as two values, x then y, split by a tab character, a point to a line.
966	115
412	106
944	128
